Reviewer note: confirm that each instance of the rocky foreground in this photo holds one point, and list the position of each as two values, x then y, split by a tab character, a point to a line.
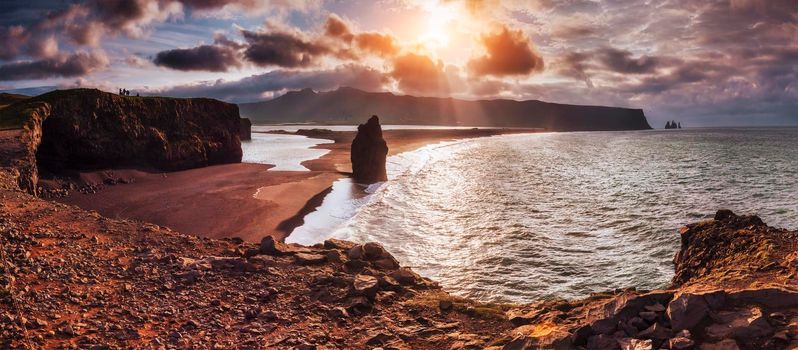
72	278
75	279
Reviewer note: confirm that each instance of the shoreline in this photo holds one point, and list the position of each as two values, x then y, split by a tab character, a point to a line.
220	201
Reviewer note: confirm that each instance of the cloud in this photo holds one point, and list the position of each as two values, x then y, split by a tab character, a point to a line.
621	61
43	48
78	64
219	57
132	17
257	87
12	40
377	43
508	53
282	49
336	27
278	46
419	74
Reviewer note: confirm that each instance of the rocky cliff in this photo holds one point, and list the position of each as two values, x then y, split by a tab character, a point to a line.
348	106
84	129
369	153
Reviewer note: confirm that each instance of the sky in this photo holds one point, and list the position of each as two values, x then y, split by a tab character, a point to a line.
703	63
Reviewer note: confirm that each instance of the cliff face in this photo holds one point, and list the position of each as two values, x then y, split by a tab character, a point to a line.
347	105
85	129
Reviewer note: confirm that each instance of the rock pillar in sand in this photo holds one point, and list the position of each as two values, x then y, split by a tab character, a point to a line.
369	152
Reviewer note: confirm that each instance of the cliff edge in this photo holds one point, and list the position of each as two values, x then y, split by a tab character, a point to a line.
87	129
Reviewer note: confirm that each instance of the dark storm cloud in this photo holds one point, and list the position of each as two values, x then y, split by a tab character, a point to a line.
282	49
219	57
575	65
622	61
258	87
63	66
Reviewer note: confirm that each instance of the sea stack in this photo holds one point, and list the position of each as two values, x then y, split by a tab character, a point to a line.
246	129
369	152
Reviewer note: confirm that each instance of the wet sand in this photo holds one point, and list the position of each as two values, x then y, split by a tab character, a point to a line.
243	200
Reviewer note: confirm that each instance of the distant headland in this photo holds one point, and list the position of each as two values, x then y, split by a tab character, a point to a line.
348	106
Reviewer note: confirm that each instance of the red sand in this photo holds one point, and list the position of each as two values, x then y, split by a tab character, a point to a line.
221	201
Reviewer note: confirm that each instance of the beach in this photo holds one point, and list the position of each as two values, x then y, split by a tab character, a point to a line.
243	200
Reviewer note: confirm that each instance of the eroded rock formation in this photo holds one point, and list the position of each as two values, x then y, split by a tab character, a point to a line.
369	153
246	129
86	129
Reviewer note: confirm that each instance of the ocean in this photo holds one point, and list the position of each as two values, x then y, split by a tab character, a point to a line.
517	218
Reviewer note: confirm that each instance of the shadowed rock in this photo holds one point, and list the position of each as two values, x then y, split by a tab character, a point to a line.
246	129
369	152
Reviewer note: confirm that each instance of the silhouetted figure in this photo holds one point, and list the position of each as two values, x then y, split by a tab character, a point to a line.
668	125
680	125
137	95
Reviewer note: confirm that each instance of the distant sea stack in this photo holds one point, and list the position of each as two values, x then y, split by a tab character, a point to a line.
369	153
87	129
346	104
246	129
672	124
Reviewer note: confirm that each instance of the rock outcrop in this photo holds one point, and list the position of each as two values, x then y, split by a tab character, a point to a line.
86	129
369	153
246	129
735	287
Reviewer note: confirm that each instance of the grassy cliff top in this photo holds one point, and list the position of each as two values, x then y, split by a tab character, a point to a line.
7	99
15	109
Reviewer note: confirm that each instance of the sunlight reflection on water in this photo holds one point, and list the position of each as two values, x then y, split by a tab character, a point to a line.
519	217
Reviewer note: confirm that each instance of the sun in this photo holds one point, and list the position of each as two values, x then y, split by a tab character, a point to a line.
437	22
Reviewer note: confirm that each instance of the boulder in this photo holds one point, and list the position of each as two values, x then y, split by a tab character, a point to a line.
743	323
365	285
355	253
339	244
310	259
405	276
373	251
687	310
369	153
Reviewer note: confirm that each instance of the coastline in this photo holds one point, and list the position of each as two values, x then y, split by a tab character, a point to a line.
220	201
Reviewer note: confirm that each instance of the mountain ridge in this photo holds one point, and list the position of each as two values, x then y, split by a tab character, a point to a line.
349	105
